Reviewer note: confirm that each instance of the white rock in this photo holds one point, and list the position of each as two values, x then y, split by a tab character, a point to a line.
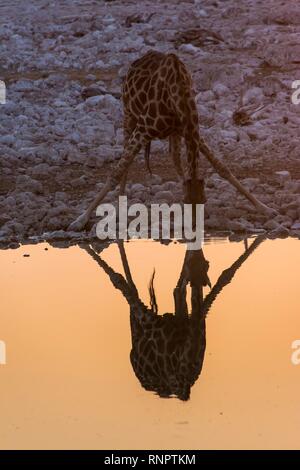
251	183
108	19
253	95
204	96
190	49
228	135
7	139
220	89
100	64
24	85
283	176
60	103
75	137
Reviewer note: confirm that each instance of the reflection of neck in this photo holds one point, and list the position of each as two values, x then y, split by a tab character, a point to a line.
194	272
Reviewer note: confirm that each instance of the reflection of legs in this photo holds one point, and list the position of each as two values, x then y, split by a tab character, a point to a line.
118	281
179	293
135	142
126	266
175	153
228	274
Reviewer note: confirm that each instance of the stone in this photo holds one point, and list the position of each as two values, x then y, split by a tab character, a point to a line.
41	171
26	183
228	135
170	185
271	225
190	49
253	95
236	226
4	218
280	232
137	187
212	222
164	196
283	176
80	182
251	183
295	233
220	90
205	96
292	186
7	140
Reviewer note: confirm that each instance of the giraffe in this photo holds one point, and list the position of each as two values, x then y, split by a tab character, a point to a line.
159	103
168	350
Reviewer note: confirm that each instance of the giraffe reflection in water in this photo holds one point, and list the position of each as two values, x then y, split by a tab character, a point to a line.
168	350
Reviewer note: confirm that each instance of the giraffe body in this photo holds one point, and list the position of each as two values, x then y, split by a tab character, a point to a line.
158	104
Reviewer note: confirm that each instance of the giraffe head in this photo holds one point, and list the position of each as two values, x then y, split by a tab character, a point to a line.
194	192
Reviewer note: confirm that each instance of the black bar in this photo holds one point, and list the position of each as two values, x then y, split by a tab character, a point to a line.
139	458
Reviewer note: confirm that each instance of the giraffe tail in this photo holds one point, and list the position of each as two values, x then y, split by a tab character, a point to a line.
147	156
153	302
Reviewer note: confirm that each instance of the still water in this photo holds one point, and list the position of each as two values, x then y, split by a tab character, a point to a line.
89	365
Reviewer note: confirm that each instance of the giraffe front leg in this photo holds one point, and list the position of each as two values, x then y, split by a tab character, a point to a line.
83	219
225	173
134	145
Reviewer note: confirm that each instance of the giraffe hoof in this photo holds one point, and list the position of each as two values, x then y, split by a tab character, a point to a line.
78	224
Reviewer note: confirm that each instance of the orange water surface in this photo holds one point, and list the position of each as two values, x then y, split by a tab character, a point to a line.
68	382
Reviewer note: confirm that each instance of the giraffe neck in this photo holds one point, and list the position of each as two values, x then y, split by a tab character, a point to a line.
184	104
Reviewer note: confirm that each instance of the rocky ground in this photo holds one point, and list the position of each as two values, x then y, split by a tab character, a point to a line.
61	128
